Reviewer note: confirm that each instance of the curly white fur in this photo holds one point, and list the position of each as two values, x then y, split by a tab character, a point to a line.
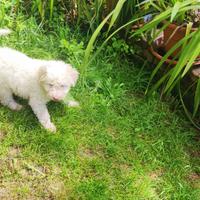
39	81
4	32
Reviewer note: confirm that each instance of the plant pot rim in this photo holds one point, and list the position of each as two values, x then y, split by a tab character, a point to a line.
168	61
181	28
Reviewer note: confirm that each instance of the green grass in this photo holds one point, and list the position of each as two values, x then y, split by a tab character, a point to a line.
117	145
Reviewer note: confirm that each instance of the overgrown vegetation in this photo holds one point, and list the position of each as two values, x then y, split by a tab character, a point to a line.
117	145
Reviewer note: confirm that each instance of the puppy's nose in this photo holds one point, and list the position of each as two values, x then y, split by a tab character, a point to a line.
56	99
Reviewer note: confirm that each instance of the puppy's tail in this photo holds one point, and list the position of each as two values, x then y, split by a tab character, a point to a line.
4	32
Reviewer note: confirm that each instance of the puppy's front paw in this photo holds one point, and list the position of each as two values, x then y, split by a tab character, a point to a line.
50	126
73	104
15	106
18	107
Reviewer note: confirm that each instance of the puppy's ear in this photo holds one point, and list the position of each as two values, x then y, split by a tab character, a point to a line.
74	75
42	73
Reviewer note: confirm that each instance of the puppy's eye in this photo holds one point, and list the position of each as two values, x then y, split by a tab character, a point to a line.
63	86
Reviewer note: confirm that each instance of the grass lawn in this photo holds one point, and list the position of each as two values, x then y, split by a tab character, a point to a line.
117	145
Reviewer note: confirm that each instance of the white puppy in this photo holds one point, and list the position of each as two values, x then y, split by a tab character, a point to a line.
39	81
4	32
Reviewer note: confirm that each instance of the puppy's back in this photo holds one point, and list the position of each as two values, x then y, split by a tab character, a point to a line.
11	56
17	71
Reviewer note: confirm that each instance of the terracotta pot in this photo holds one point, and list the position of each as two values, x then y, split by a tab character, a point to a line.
158	56
173	34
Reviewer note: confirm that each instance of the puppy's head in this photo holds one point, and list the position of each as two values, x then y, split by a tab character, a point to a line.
56	78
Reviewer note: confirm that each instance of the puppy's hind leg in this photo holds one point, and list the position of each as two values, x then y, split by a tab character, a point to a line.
6	99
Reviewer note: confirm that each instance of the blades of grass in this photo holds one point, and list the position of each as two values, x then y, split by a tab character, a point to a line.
131	7
116	13
155	6
188	30
195	54
185	6
186	110
51	8
193	7
79	11
176	81
175	10
98	6
110	36
40	8
152	23
177	45
173	85
162	3
184	58
192	59
93	38
158	83
88	14
189	2
2	14
16	3
197	98
159	32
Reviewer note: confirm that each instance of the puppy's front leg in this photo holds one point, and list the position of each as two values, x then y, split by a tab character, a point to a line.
40	110
69	101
